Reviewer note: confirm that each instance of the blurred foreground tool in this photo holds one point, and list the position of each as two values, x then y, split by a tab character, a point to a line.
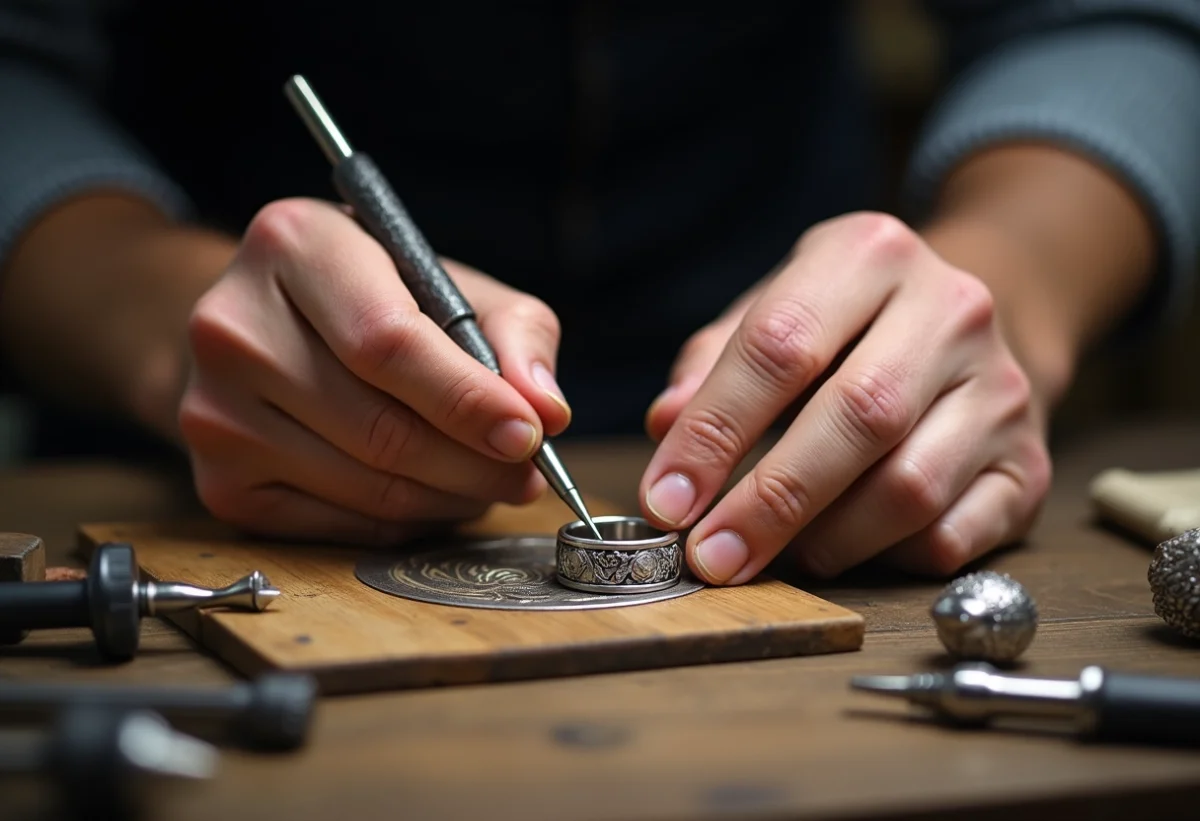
273	712
112	601
1099	704
99	762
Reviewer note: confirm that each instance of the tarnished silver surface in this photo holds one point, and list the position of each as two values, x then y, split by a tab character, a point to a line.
632	557
985	616
506	573
1174	576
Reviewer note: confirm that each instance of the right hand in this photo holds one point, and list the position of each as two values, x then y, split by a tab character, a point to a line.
322	404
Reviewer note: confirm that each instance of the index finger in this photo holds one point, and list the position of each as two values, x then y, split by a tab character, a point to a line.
347	288
785	341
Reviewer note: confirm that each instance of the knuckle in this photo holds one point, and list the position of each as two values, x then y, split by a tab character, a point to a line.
973	305
948	551
201	424
712	437
781	344
395	496
278	228
533	314
209	327
872	404
783	499
1039	471
224	499
465	401
882	237
698	343
917	492
385	336
390	436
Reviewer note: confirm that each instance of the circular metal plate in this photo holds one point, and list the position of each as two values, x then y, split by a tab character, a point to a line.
506	573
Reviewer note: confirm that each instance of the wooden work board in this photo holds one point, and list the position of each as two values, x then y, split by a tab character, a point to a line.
353	638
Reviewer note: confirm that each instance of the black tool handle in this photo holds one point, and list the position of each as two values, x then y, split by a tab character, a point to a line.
1147	709
273	712
41	605
377	207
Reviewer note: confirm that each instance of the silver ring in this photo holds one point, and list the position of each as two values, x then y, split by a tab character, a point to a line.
633	557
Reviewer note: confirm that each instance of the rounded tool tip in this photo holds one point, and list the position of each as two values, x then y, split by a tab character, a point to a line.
312	111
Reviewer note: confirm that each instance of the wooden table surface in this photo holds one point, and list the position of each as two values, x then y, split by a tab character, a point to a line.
770	739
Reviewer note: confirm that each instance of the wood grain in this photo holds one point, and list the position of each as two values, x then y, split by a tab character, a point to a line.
771	739
356	639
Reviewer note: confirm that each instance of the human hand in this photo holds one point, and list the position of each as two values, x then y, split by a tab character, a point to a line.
322	404
924	445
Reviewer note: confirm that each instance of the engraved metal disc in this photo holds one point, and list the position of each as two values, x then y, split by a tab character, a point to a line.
504	573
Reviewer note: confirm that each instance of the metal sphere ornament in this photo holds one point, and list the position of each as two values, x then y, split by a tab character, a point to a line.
985	616
1174	577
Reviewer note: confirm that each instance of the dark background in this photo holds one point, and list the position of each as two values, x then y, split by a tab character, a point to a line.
903	52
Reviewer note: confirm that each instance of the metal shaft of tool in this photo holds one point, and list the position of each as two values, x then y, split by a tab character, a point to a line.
976	694
452	311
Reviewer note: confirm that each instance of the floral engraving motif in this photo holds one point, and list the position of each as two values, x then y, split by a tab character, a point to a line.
614	567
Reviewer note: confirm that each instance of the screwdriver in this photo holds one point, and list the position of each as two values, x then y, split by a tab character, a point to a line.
364	188
1105	705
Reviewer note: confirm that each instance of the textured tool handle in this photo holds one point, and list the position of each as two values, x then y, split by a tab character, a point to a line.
1148	709
37	605
362	185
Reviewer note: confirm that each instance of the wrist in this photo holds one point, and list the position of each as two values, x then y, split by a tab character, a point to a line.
105	284
1064	246
1032	317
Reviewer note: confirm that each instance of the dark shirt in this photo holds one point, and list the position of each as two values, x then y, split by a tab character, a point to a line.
636	165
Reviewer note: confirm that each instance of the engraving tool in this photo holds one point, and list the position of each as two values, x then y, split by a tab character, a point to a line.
1106	705
362	185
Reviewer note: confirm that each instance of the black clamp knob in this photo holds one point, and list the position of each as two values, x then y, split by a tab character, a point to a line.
111	600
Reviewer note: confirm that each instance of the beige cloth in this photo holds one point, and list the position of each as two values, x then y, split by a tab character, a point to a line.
1157	506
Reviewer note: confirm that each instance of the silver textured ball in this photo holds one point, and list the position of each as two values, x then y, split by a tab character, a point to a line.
985	616
1174	577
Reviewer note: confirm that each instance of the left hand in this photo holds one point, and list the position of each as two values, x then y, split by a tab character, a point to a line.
925	444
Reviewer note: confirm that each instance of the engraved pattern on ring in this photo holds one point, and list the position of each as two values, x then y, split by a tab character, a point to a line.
616	567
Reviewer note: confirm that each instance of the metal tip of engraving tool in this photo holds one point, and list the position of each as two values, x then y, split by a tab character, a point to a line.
322	127
575	500
922	688
885	685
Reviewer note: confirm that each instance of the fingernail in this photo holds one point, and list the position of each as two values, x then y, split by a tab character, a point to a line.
545	380
721	556
514	438
671	498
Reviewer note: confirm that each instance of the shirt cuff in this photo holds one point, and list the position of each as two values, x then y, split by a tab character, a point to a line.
1126	95
55	144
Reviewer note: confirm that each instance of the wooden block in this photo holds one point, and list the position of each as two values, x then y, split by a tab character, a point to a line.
353	638
22	559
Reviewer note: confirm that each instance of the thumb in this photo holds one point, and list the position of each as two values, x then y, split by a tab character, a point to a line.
525	334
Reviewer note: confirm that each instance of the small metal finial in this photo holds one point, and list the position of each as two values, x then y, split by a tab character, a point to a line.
252	592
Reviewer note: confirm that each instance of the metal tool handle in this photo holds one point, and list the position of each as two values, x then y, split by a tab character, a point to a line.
363	186
40	605
1144	708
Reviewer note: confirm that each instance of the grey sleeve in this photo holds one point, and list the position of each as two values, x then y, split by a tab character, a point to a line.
1116	80
55	139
